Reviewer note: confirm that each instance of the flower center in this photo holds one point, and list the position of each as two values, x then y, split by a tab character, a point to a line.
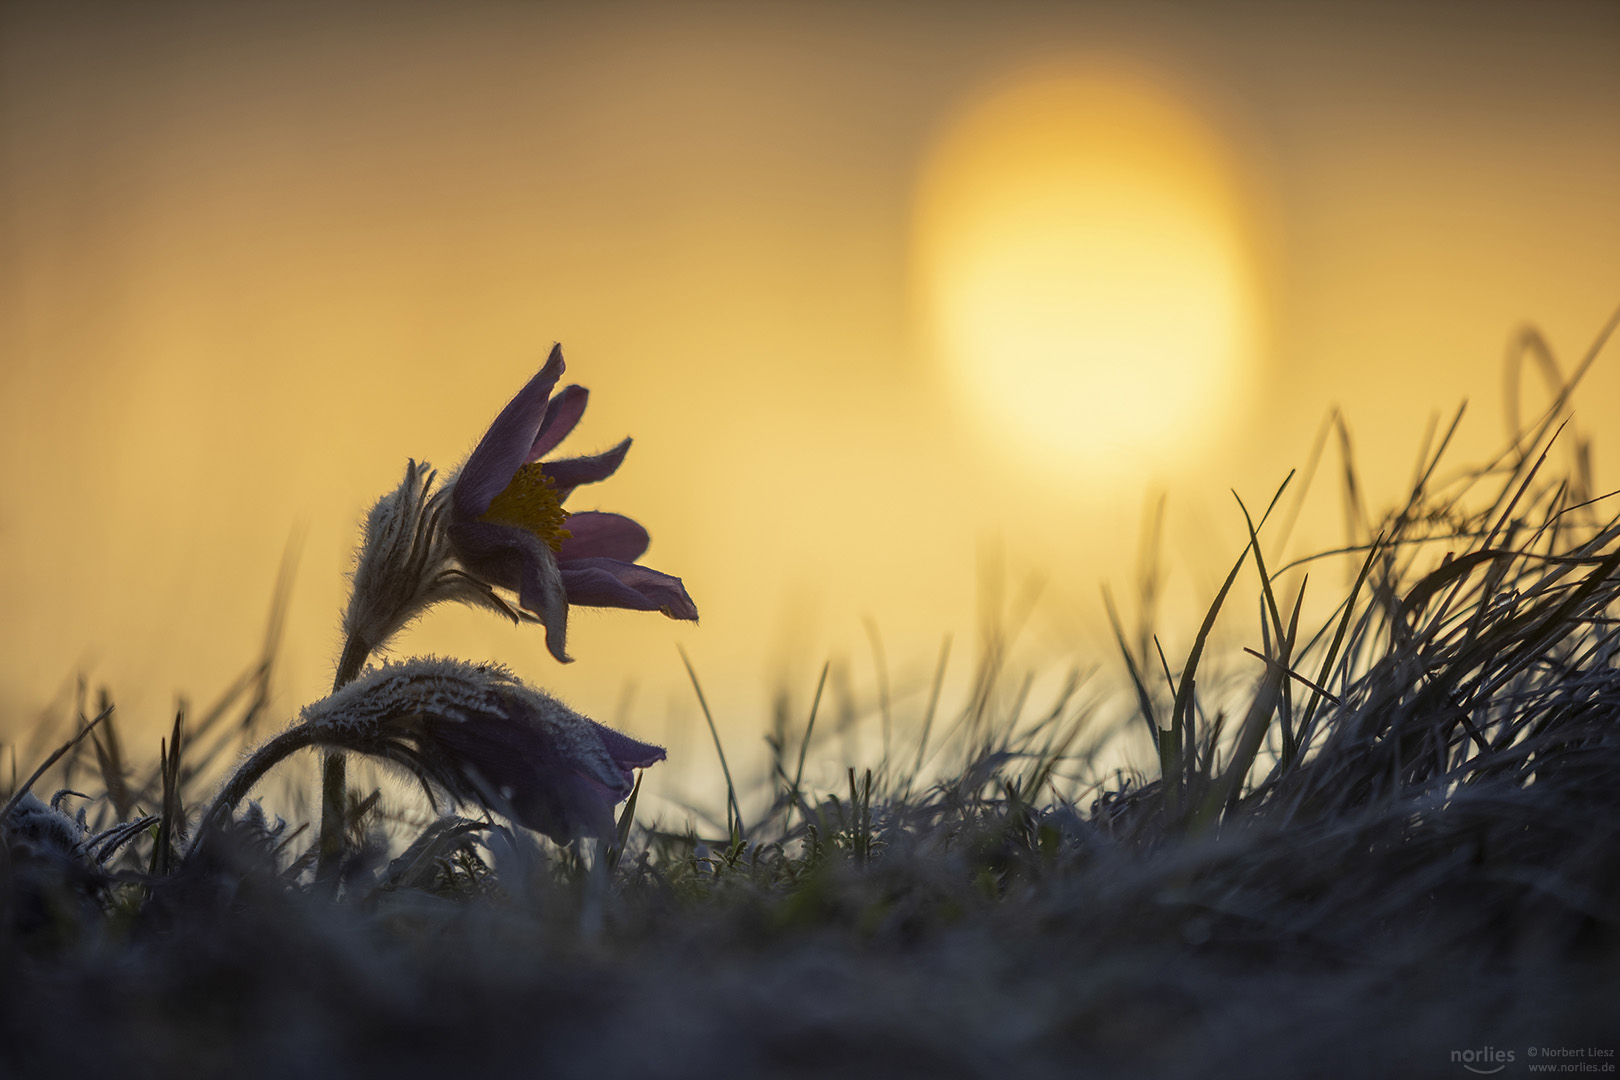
530	502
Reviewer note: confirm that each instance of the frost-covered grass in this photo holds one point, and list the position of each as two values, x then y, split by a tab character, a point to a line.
1402	841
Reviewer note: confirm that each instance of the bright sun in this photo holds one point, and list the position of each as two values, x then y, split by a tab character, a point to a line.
1083	272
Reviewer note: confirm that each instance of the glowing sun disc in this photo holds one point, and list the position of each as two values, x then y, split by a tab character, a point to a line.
1082	269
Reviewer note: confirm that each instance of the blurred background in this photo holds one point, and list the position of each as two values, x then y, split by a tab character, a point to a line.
915	312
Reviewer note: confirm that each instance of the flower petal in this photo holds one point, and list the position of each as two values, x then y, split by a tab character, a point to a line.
491	552
561	416
514	558
601	582
501	451
569	473
628	753
540	779
595	533
544	593
564	805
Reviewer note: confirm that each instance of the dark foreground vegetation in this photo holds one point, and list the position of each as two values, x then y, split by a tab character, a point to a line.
1399	846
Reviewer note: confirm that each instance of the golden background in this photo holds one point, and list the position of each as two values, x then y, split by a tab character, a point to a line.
251	259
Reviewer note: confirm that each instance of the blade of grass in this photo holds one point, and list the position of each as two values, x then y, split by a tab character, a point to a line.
880	665
1518	493
1226	790
1190	670
1286	713
795	796
734	822
1266	593
1292	674
1143	699
1355	513
1556	621
17	795
626	820
1312	461
1149	573
110	759
1562	399
171	819
933	706
1306	723
1188	730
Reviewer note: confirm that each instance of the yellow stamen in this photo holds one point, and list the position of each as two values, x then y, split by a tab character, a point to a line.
530	502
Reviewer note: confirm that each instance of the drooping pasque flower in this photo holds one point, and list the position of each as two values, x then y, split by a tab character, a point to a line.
499	524
477	732
508	528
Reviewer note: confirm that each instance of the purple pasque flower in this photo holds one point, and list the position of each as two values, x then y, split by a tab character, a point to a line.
481	734
508	528
544	765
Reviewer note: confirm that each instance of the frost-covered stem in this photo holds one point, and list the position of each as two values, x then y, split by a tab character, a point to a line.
241	782
334	791
334	776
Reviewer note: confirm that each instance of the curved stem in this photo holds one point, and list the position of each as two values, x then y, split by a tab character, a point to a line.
241	782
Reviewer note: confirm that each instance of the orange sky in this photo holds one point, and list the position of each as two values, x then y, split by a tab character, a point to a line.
252	260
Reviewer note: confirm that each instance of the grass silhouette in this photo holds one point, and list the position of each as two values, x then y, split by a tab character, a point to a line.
1398	845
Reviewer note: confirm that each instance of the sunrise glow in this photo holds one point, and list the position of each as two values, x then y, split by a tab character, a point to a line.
1083	272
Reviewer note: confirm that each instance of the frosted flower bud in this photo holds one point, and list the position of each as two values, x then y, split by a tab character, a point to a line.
483	736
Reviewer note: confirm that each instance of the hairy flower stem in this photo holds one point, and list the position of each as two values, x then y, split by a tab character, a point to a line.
334	779
263	760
